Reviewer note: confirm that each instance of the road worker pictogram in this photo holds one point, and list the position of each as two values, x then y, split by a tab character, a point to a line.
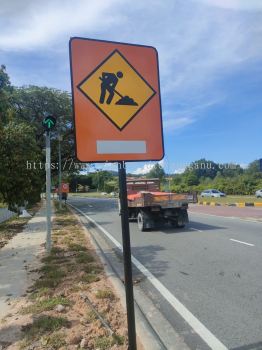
117	89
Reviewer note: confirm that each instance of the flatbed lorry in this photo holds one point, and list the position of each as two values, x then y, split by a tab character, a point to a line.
151	207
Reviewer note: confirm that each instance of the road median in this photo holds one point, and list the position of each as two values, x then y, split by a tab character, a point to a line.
237	204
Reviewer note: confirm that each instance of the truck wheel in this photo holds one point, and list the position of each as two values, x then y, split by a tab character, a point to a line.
181	225
141	221
178	224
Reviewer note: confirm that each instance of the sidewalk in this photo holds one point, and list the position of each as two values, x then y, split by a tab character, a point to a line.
18	256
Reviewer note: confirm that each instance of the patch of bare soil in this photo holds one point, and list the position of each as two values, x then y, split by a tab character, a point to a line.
72	304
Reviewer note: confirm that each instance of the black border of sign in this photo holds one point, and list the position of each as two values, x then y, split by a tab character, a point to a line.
90	74
73	104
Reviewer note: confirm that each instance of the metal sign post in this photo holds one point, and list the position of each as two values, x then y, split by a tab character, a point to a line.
127	257
48	193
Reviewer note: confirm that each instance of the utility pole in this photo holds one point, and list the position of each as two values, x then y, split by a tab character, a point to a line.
98	180
48	123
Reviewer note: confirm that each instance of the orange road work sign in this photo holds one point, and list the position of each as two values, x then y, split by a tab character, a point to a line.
116	101
65	187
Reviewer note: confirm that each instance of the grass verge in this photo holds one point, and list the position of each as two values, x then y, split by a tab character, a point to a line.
60	318
42	333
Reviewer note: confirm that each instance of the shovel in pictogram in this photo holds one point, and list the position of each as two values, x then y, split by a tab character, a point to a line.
124	100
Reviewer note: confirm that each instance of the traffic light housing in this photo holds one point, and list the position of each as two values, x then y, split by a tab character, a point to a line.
49	123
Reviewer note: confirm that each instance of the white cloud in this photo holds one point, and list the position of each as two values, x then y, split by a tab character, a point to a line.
236	4
162	163
179	170
175	123
178	119
199	42
244	165
42	24
145	169
207	44
93	167
198	46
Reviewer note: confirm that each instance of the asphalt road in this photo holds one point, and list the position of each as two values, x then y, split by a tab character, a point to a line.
213	267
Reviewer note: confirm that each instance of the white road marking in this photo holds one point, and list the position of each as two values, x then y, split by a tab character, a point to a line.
195	229
198	327
235	240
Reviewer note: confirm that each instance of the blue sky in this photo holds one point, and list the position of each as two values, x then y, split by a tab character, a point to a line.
210	54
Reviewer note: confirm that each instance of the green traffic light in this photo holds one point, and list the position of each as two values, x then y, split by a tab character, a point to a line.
49	122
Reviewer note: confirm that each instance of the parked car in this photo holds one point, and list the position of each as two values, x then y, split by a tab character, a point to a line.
259	193
113	194
212	193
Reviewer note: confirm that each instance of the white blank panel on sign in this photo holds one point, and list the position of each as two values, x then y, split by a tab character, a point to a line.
120	147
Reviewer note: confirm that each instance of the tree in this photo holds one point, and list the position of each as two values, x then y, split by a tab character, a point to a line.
20	180
177	179
30	104
5	95
203	167
156	172
80	180
253	167
191	179
111	185
231	170
99	178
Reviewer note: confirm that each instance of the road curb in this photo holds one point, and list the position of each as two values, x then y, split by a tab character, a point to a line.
146	336
238	204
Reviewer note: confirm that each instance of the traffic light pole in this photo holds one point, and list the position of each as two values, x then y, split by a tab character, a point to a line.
48	193
59	167
127	257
